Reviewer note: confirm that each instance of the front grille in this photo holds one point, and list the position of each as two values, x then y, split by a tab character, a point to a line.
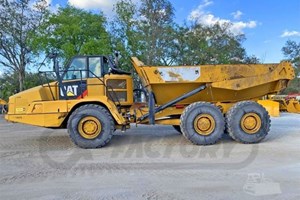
117	84
115	96
117	90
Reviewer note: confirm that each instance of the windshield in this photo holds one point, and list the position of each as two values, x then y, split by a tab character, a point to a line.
77	69
97	66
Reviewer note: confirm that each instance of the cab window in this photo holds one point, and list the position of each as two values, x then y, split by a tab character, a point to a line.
77	69
105	65
95	66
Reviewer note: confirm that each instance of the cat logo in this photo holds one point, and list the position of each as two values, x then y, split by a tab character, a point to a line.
70	94
70	89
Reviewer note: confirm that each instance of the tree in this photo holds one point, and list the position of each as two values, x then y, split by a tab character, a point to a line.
157	28
150	33
124	31
73	31
291	51
251	60
146	32
199	44
9	84
18	21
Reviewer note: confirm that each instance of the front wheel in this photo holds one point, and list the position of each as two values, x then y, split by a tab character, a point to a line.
91	126
202	123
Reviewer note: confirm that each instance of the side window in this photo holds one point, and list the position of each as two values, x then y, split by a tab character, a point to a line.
74	72
95	66
105	65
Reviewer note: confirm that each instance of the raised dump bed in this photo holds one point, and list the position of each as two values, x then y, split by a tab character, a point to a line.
224	83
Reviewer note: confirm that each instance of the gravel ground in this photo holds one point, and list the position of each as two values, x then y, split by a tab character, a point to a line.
149	163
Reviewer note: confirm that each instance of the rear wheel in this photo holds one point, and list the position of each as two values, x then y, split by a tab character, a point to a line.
90	126
202	123
248	122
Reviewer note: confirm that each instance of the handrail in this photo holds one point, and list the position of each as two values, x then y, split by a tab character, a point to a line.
81	78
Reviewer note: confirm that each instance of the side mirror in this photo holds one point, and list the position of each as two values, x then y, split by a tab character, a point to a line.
53	56
116	59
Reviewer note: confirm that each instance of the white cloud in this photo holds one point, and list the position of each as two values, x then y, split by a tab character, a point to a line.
205	4
195	14
200	15
105	6
92	4
287	33
237	14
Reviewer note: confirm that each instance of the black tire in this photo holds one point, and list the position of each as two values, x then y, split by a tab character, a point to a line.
177	128
98	113
189	117
238	113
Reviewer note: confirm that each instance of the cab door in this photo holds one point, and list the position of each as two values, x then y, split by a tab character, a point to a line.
74	80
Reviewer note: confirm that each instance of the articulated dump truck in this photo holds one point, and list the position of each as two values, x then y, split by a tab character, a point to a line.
92	98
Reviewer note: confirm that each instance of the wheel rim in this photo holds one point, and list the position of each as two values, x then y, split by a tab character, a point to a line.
204	124
251	123
89	127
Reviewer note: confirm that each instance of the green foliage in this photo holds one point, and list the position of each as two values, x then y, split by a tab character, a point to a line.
72	31
9	83
251	60
18	20
156	26
291	51
150	33
146	32
124	31
198	44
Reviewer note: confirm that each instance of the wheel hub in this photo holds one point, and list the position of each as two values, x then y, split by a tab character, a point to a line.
89	127
251	123
204	124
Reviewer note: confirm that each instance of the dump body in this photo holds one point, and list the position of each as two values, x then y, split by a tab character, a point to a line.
224	83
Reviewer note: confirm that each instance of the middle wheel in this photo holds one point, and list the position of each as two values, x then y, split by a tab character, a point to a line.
202	123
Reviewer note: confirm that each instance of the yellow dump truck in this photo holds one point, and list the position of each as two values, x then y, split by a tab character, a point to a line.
92	98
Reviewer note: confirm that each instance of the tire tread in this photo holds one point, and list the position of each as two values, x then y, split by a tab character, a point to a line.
183	121
94	107
231	113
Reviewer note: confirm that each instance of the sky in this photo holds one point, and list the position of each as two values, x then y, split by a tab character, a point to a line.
267	24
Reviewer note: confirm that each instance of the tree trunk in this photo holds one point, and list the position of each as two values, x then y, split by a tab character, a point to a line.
21	80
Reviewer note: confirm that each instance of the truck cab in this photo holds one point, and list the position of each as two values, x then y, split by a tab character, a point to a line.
84	80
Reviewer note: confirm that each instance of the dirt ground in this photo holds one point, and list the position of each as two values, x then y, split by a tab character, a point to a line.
149	162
